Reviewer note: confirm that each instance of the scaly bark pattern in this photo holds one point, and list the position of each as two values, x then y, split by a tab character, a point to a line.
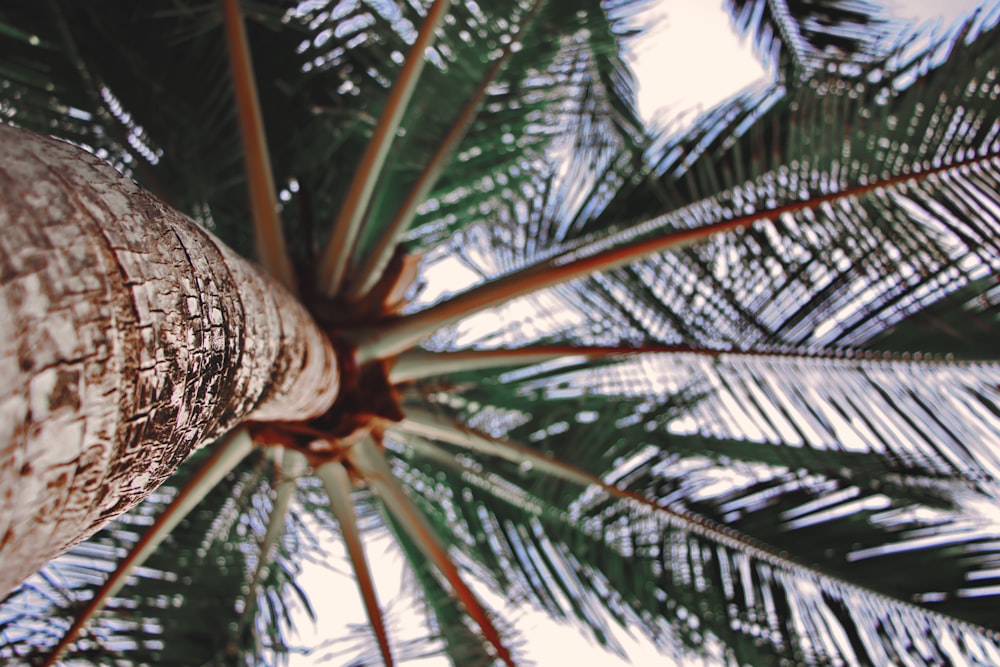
129	337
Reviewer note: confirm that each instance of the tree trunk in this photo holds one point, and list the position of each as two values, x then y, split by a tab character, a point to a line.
129	337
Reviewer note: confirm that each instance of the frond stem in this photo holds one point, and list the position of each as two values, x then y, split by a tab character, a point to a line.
337	483
398	335
339	249
421	364
227	455
378	258
428	427
370	463
293	465
268	235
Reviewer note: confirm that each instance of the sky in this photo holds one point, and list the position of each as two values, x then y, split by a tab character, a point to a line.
687	64
691	60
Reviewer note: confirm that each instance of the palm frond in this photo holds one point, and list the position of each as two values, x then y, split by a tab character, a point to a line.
203	571
799	498
368	460
793	35
834	418
157	101
462	644
337	483
334	259
566	75
598	560
864	205
381	252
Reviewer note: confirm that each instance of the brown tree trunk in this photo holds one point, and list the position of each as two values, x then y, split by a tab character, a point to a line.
129	337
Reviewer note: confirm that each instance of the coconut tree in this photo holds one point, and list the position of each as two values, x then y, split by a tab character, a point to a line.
734	388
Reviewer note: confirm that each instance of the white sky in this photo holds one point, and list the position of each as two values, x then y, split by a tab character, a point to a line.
691	62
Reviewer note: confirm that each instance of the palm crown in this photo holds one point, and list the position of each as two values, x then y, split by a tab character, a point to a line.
751	407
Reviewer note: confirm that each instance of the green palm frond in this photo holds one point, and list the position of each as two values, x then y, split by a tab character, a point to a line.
859	429
874	199
630	567
447	622
892	409
153	95
793	35
573	90
203	571
815	504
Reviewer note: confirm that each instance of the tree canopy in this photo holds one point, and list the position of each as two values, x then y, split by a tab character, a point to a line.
736	387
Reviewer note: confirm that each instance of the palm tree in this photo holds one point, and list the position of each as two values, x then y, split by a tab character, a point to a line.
735	388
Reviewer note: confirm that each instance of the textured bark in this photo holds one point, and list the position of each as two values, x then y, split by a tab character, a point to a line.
129	337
